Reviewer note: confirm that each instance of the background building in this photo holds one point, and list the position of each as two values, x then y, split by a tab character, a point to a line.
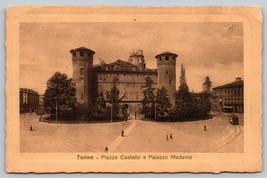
229	97
29	100
129	77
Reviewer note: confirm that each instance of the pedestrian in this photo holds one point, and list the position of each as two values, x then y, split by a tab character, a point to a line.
170	135
31	128
205	128
126	118
106	149
167	138
122	132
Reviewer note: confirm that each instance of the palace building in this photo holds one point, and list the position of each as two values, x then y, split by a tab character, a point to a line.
93	77
229	97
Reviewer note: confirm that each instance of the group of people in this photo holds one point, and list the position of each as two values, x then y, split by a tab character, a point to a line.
167	137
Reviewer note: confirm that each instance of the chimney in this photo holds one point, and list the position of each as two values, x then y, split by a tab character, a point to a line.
238	79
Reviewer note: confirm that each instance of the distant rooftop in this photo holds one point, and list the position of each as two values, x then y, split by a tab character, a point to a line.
238	83
28	90
82	48
120	65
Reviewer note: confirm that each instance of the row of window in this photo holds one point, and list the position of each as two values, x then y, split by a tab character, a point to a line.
232	96
104	78
81	54
229	90
167	58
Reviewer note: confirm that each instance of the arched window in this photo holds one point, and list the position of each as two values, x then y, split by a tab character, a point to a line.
81	53
81	71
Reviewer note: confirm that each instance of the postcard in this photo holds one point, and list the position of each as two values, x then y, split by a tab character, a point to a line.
133	89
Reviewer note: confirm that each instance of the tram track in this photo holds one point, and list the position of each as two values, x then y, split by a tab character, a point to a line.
26	126
226	141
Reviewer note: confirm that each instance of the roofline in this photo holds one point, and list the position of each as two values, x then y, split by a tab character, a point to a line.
82	48
228	86
166	53
125	71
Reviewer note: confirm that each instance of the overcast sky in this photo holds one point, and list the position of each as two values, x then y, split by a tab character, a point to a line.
213	49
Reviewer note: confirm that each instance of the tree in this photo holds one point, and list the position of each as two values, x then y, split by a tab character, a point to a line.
60	92
113	97
207	84
100	110
183	99
148	102
163	103
206	96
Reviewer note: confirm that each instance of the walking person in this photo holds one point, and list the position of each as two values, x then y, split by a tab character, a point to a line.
205	128
106	149
122	132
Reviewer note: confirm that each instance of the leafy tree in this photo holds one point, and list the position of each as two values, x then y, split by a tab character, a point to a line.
148	102
163	103
113	97
60	93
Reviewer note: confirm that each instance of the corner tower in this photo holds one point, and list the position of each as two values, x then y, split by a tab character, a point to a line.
166	63
82	61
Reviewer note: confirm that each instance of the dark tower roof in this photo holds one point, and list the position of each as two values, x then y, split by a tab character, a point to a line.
166	53
82	49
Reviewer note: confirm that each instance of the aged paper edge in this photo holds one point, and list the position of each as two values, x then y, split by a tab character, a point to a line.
249	161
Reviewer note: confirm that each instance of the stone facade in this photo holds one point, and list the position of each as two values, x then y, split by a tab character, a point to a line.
129	76
166	63
28	100
229	97
82	60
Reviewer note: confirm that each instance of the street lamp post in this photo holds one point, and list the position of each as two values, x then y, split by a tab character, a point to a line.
56	111
155	109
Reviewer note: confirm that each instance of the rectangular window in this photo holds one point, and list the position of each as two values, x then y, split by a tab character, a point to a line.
81	71
167	72
170	81
81	78
25	98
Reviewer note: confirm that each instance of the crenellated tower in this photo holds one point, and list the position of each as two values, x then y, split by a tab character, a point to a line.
166	63
82	61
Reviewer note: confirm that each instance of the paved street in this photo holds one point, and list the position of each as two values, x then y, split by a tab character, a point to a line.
139	136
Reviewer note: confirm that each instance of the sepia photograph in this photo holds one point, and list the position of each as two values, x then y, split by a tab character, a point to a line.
131	87
112	89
